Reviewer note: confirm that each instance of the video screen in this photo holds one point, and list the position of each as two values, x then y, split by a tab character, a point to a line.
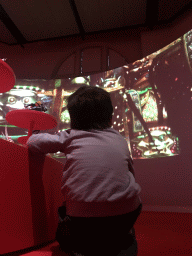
147	96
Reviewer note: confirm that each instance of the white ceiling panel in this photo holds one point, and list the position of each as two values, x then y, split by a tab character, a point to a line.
39	19
167	9
121	13
134	12
112	13
90	15
5	35
48	19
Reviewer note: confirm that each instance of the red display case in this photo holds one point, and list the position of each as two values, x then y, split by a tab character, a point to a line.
30	189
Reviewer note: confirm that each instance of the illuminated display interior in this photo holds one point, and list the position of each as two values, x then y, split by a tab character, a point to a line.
141	84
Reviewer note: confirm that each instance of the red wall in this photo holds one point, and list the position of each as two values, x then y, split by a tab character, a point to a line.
166	183
37	60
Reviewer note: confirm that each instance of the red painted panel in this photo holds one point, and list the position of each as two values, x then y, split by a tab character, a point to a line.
30	193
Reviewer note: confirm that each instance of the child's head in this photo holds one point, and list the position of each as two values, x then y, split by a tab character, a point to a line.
90	108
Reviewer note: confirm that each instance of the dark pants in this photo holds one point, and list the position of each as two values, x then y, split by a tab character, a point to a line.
97	235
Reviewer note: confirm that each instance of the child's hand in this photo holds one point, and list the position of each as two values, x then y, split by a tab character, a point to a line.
9	139
24	145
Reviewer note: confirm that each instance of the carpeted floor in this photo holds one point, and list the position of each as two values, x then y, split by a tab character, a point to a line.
157	233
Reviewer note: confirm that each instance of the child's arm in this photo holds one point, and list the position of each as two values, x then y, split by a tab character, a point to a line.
47	143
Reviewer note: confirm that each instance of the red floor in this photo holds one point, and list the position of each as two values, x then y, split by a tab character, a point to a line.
164	234
158	234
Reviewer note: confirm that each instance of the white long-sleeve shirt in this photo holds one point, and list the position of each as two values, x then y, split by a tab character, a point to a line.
97	179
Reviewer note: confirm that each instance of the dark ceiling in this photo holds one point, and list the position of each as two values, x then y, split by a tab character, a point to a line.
24	21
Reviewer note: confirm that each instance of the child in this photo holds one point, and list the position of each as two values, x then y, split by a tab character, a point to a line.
102	198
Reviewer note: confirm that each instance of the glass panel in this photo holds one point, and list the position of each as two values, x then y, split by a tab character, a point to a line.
68	66
91	60
115	60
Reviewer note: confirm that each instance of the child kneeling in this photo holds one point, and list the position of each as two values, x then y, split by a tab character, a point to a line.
102	200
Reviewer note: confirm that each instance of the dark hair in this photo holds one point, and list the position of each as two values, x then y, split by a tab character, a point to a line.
90	108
